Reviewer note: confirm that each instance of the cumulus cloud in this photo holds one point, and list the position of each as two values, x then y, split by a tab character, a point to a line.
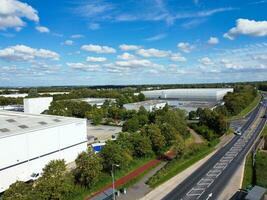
25	53
206	61
13	12
42	29
96	59
126	56
68	42
177	57
136	63
152	53
127	47
247	27
83	67
156	37
185	47
98	49
213	40
76	36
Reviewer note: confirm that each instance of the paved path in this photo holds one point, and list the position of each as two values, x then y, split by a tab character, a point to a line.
197	138
140	189
130	176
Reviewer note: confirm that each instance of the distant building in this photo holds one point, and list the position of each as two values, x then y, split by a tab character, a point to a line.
98	102
29	141
36	105
148	105
189	94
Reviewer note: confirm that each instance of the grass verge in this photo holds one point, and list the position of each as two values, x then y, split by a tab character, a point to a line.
247	178
248	109
196	153
81	193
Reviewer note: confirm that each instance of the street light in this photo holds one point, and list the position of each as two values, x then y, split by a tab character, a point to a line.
113	181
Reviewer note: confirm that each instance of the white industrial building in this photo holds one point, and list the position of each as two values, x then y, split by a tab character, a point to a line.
189	94
36	105
98	102
148	105
28	142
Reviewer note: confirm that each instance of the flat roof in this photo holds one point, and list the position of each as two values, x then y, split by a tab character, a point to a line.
14	123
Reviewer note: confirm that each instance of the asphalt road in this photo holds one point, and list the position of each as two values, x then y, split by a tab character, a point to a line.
209	180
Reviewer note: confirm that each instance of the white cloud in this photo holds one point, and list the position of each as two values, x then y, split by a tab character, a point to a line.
206	61
96	59
213	40
68	42
25	53
152	53
42	29
76	36
247	27
94	26
83	67
98	48
136	63
156	37
126	56
185	47
12	13
126	47
177	57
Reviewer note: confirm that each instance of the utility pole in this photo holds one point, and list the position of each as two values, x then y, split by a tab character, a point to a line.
113	180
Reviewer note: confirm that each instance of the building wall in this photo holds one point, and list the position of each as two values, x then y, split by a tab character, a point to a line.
148	107
188	94
25	154
36	105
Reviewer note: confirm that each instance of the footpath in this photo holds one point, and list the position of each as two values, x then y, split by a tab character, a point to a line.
123	180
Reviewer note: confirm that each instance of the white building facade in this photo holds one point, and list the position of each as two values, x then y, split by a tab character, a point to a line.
189	94
36	105
29	142
148	105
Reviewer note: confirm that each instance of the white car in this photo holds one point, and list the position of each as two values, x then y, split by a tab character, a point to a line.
238	132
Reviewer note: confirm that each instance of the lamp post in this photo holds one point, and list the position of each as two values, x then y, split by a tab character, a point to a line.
113	179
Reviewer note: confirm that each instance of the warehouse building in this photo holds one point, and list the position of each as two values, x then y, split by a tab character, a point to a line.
98	102
28	142
37	105
148	105
189	94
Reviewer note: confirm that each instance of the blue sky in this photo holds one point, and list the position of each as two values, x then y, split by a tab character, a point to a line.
99	42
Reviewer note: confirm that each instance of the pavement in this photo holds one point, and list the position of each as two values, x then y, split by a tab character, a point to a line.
140	189
209	180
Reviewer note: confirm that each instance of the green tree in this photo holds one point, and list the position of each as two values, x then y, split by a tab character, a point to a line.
157	139
19	191
33	93
96	115
113	153
141	145
131	125
56	183
88	168
169	133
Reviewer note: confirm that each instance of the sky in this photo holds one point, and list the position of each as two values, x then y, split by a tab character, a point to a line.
103	42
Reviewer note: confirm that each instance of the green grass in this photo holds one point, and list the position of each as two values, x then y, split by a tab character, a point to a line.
179	164
264	132
261	172
247	179
248	109
81	193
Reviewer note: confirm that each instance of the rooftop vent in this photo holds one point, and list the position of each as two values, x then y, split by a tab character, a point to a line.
23	126
4	130
11	120
42	123
57	120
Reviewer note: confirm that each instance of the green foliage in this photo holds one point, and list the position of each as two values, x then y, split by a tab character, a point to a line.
113	153
141	145
55	183
33	93
153	132
88	168
19	191
96	115
4	101
131	125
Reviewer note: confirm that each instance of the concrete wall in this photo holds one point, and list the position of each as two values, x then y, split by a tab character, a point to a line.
26	154
36	105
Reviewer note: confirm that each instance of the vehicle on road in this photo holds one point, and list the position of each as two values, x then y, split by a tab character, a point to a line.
238	131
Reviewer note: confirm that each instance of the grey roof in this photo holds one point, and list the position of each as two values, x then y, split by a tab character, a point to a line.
146	103
13	123
256	193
